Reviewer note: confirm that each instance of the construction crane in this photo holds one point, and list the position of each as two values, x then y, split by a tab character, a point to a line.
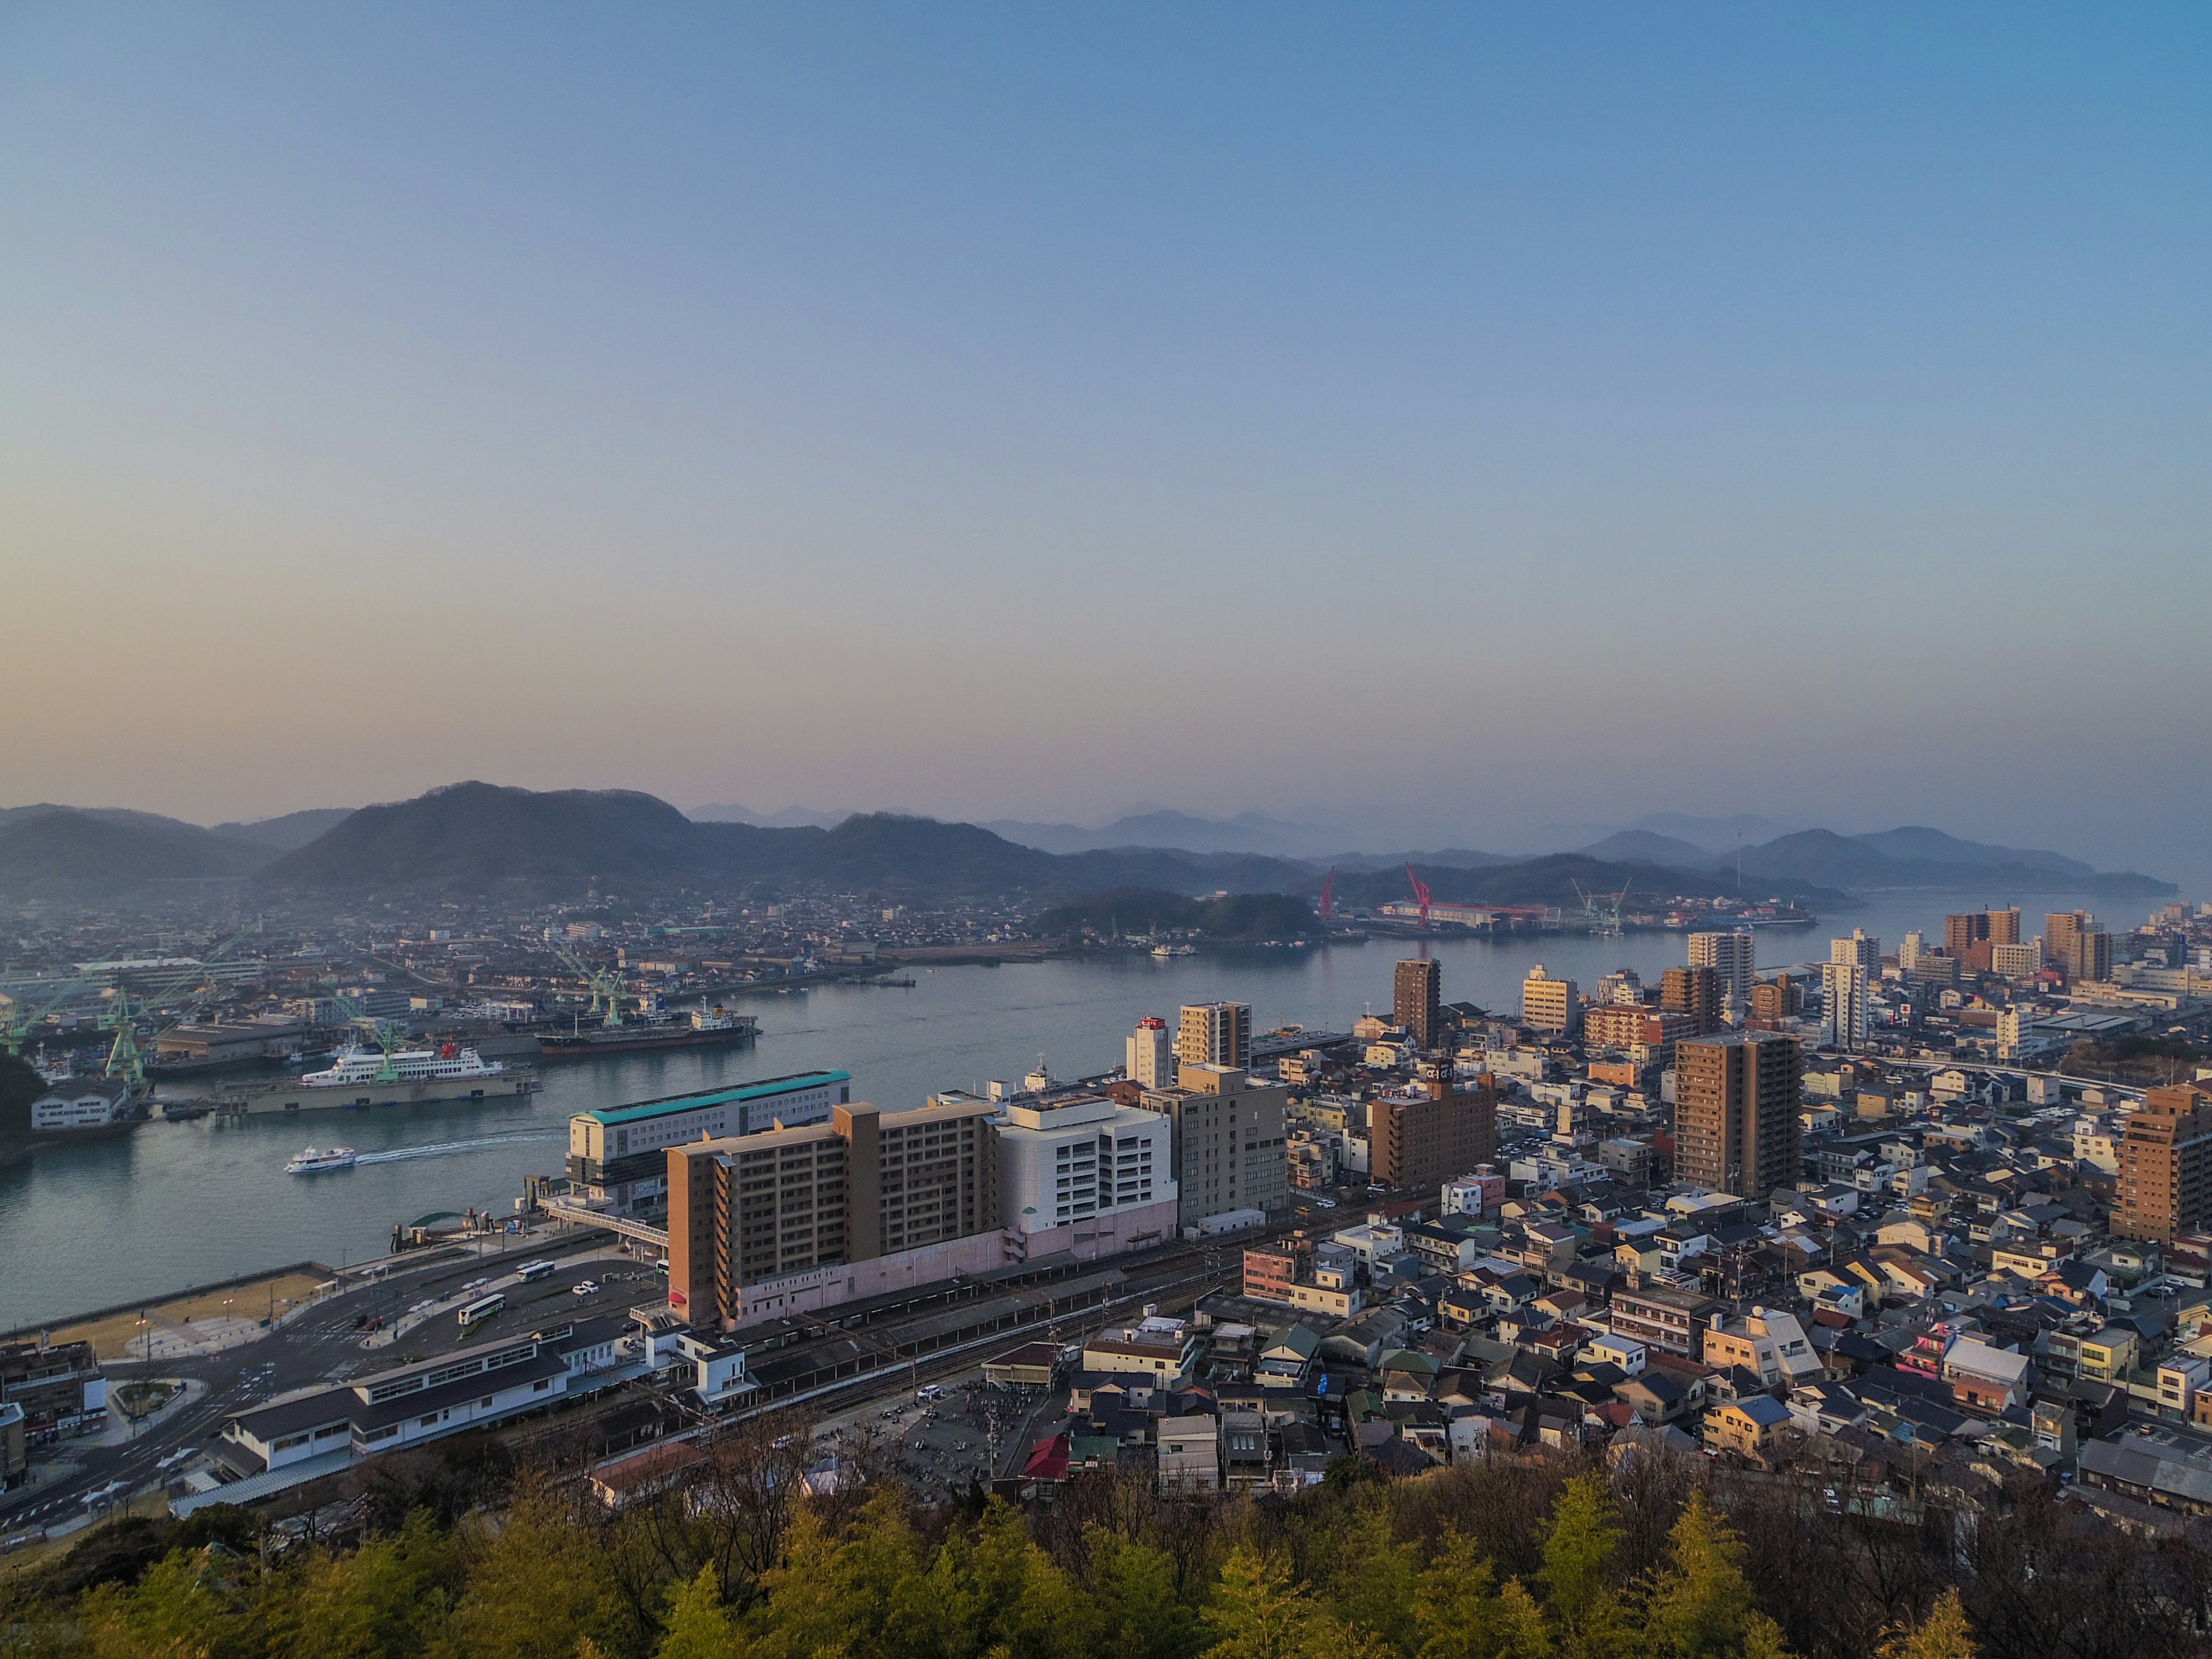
20	1026
1329	896
602	985
1420	895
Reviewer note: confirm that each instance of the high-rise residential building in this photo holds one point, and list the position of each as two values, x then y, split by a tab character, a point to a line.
1621	989
1231	1152
1617	1027
2088	956
2016	961
2004	926
1966	937
1846	1017
1910	952
758	1224
1151	1051
1417	1001
1694	991
1215	1034
2166	1166
2060	928
1550	1005
1424	1134
1079	1173
1862	948
1773	1001
1735	1113
1730	956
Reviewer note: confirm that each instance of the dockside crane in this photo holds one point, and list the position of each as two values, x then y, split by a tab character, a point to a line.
1420	895
601	984
1329	896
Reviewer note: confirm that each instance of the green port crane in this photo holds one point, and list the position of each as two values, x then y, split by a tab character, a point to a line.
601	984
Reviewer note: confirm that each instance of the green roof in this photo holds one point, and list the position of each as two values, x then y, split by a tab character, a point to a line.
767	1088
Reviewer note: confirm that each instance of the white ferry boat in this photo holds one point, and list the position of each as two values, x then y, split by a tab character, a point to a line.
314	1162
359	1065
1163	952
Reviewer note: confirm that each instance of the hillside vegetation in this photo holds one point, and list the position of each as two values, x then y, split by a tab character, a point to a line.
1501	1557
1145	910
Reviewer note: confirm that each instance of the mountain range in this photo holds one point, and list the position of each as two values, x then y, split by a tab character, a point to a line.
481	838
1149	825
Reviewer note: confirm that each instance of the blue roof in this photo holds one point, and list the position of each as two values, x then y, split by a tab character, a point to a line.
767	1088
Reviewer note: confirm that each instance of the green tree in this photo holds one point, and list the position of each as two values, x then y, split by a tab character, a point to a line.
1133	1613
388	1598
698	1624
1375	1580
537	1587
1258	1614
1458	1614
1579	1544
1943	1634
185	1607
1699	1607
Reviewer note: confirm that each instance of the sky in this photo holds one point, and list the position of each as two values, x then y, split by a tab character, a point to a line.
1451	418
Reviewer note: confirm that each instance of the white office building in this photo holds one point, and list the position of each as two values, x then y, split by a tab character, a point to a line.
1084	1175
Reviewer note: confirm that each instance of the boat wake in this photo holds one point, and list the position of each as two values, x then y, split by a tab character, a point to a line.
448	1148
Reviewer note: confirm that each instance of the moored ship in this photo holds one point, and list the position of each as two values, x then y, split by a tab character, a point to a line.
363	1078
705	1028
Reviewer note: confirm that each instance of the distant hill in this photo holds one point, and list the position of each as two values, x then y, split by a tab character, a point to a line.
41	846
1248	832
290	831
1551	880
1915	843
1139	910
792	817
479	837
482	837
1650	846
1861	863
1458	857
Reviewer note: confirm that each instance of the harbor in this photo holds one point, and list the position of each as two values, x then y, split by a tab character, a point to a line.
180	1201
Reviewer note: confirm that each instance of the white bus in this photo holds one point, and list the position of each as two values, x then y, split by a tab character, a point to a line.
482	1309
530	1270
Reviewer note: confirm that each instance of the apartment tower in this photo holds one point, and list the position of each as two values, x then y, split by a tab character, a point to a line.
1550	1005
1230	1151
1215	1034
1694	991
1417	1001
747	1213
1149	1050
1423	1135
1735	1112
2164	1185
1729	955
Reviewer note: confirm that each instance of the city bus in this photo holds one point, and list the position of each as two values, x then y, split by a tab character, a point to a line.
530	1270
482	1309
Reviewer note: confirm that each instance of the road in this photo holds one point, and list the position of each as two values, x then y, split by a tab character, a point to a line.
324	1343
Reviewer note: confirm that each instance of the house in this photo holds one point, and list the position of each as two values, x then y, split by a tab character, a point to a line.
1749	1427
1987	1378
1770	1345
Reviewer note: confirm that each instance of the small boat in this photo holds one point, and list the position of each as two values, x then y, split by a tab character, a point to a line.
314	1161
1164	951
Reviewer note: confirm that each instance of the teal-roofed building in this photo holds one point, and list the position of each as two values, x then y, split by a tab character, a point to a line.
619	1157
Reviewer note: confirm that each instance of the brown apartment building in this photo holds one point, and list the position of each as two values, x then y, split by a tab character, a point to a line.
1424	1135
1735	1112
747	1209
1417	1001
1696	992
2164	1151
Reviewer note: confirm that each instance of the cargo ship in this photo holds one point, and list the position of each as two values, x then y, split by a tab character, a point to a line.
706	1028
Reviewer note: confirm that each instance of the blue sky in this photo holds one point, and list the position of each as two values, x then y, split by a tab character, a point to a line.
1473	417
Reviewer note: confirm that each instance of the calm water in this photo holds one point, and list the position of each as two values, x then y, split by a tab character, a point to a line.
177	1204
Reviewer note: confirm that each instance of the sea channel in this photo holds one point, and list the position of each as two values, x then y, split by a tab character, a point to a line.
175	1204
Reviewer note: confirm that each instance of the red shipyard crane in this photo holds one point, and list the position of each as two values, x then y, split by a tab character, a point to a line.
1421	896
1328	897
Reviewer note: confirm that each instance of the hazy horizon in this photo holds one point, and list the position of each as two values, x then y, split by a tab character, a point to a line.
1461	419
